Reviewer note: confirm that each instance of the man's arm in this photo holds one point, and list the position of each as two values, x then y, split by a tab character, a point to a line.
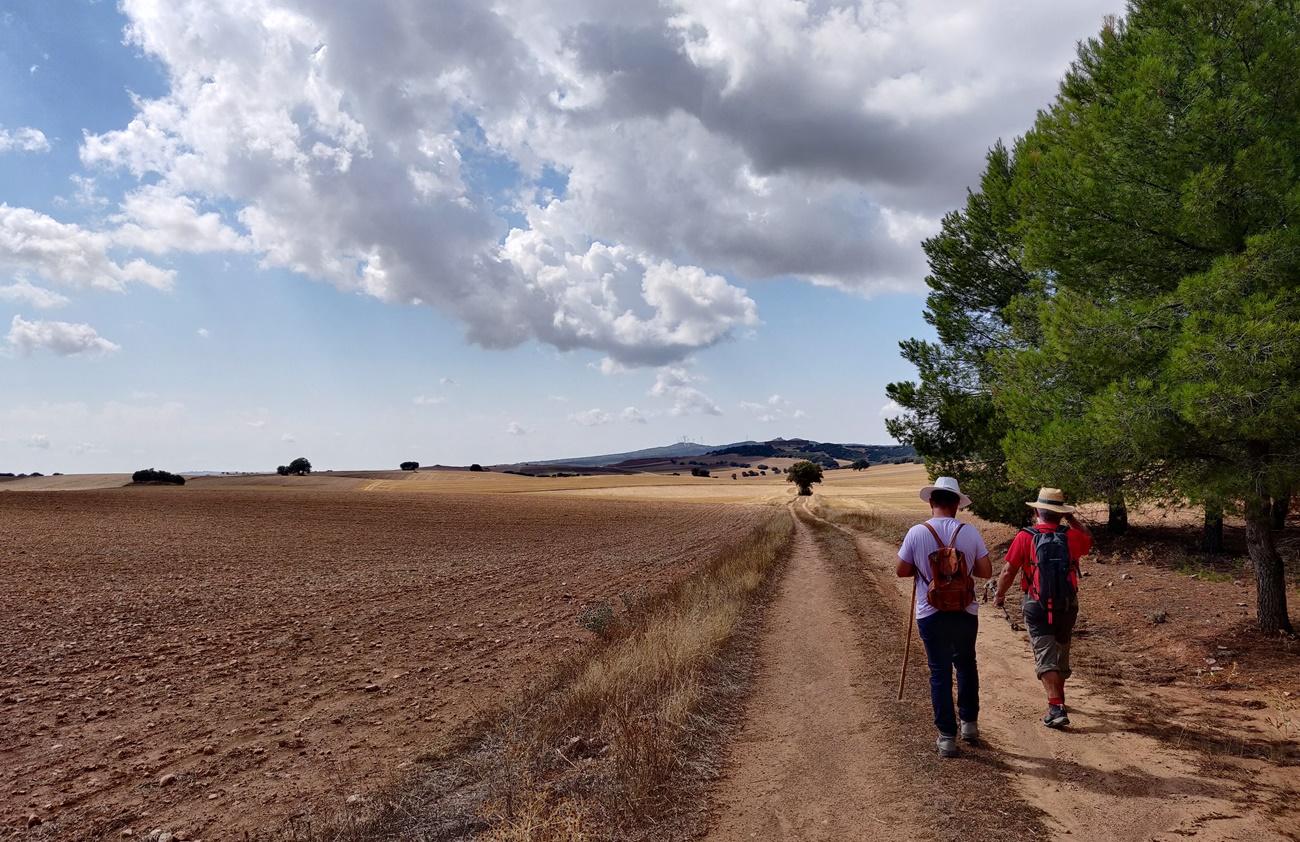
983	567
905	570
1009	569
1004	584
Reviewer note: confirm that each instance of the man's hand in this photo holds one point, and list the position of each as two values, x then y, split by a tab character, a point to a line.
1000	600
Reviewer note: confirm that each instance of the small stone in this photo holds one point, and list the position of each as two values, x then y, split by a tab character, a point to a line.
166	836
371	688
167	779
127	832
33	820
1125	576
354	798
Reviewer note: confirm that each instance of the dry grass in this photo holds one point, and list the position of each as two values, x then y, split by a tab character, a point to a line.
606	751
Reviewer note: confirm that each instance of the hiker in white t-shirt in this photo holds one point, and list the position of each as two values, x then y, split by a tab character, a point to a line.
946	610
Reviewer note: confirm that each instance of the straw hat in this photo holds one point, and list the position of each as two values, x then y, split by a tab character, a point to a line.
945	484
1052	500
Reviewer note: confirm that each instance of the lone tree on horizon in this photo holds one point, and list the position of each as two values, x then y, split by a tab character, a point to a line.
860	465
299	467
804	474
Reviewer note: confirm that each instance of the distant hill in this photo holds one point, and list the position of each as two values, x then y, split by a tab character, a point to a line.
817	451
671	451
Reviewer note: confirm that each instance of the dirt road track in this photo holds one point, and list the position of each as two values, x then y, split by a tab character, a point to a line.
826	753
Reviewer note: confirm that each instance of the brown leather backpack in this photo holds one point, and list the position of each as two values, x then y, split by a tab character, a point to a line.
953	587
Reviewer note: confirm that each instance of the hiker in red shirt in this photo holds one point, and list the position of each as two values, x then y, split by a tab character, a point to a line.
1049	554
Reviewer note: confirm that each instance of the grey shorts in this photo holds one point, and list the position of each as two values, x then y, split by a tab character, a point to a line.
1051	643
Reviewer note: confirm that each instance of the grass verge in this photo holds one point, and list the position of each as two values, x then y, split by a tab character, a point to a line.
616	745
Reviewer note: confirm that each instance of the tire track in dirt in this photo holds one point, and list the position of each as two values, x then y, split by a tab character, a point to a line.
825	753
1101	779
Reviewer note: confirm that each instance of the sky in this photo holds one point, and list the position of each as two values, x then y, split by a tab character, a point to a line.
233	232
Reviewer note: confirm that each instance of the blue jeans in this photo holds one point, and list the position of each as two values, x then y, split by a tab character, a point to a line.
949	639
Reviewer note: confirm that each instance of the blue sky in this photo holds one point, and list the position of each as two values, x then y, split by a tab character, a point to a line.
229	238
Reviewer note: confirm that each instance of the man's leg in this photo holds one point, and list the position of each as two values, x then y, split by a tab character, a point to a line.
968	678
1054	684
939	654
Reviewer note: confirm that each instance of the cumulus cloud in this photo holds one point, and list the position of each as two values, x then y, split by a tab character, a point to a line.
633	415
447	381
203	333
891	410
157	220
32	243
591	417
25	139
25	292
678	386
662	154
428	400
62	338
39	441
288	438
514	428
773	408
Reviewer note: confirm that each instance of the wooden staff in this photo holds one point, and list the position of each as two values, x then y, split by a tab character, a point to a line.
907	648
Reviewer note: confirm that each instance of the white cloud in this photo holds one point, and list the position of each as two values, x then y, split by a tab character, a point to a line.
69	255
204	333
891	410
557	398
39	441
591	417
447	381
256	423
25	139
24	292
677	385
633	415
514	428
157	220
62	338
288	438
771	409
703	145
428	400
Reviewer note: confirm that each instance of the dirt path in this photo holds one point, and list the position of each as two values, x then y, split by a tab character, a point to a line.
1101	779
824	753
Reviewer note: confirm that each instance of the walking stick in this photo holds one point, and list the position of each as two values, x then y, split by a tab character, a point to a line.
907	648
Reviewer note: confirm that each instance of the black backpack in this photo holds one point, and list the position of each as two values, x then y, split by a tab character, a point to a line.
1050	585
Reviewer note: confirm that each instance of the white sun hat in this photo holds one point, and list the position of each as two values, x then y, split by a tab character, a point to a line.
945	484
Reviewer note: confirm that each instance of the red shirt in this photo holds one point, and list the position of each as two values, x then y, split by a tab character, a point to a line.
1021	551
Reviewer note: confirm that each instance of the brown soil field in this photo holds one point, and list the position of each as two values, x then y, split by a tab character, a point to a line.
224	657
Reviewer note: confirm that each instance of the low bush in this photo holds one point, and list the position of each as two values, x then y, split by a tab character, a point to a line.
476	467
410	466
155	476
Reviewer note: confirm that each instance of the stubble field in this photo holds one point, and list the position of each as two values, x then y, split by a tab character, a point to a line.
223	657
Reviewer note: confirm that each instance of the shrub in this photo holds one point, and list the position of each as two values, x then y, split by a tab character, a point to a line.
597	618
409	466
699	472
476	467
156	476
282	470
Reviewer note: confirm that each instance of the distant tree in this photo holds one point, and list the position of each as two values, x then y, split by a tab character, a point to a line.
153	475
860	465
282	470
476	467
733	476
409	466
300	466
699	472
804	474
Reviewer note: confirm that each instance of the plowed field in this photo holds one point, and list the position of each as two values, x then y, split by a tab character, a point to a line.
211	661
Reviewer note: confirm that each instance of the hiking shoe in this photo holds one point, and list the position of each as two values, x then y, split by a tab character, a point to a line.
947	745
1056	717
970	732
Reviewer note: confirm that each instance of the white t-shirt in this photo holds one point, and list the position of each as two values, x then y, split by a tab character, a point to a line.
918	545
